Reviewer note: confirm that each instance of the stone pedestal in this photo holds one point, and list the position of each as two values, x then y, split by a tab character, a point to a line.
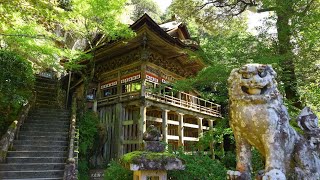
151	174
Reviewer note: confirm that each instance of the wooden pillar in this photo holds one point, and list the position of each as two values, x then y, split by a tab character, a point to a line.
143	79
142	124
211	143
165	125
200	130
180	129
119	130
210	123
95	105
119	84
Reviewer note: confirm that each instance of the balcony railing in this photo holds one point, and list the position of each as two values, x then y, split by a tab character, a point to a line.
185	101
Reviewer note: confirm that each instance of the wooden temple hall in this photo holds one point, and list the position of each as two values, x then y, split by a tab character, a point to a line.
133	79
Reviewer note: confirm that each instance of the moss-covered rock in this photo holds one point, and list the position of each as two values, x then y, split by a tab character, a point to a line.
143	160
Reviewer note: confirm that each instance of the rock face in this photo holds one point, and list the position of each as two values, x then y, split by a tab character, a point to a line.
259	118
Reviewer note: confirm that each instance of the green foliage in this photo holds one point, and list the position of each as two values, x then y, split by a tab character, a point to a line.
135	156
199	167
83	168
16	84
88	128
117	172
216	136
294	48
222	54
229	160
46	31
146	6
257	162
208	18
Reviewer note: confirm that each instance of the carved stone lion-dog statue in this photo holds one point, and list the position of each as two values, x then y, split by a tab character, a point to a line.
259	118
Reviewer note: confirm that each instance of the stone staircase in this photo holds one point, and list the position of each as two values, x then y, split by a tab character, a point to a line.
40	151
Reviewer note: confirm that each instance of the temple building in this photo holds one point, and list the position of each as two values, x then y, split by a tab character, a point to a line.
133	88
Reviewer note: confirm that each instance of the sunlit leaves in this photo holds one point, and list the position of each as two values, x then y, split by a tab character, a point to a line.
38	30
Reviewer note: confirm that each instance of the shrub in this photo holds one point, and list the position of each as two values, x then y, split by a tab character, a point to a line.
88	128
257	161
16	84
229	160
199	167
117	172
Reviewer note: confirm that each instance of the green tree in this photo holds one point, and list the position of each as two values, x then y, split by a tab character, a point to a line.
293	19
47	31
145	6
16	85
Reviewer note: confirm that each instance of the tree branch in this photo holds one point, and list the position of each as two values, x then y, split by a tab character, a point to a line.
38	36
266	9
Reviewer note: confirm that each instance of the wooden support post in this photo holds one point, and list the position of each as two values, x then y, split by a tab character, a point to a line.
118	122
200	130
95	105
165	125
211	143
143	79
142	123
180	129
119	84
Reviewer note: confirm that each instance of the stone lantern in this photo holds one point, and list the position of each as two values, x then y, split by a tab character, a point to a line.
153	162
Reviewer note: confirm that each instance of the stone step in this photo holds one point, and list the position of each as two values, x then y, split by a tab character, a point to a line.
46	102
52	114
53	111
57	109
48	119
37	154
39	87
31	166
49	122
41	133
45	79
39	148
47	128
53	105
51	118
43	125
32	174
36	160
43	138
47	96
42	83
40	143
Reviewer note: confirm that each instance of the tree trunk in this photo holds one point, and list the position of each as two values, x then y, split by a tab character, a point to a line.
285	51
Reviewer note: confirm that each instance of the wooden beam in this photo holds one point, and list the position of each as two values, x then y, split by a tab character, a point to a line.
195	126
171	137
125	123
190	139
130	142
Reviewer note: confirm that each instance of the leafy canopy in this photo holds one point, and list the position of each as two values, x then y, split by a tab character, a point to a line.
46	31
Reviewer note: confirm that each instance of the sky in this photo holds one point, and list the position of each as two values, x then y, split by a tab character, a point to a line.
254	19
